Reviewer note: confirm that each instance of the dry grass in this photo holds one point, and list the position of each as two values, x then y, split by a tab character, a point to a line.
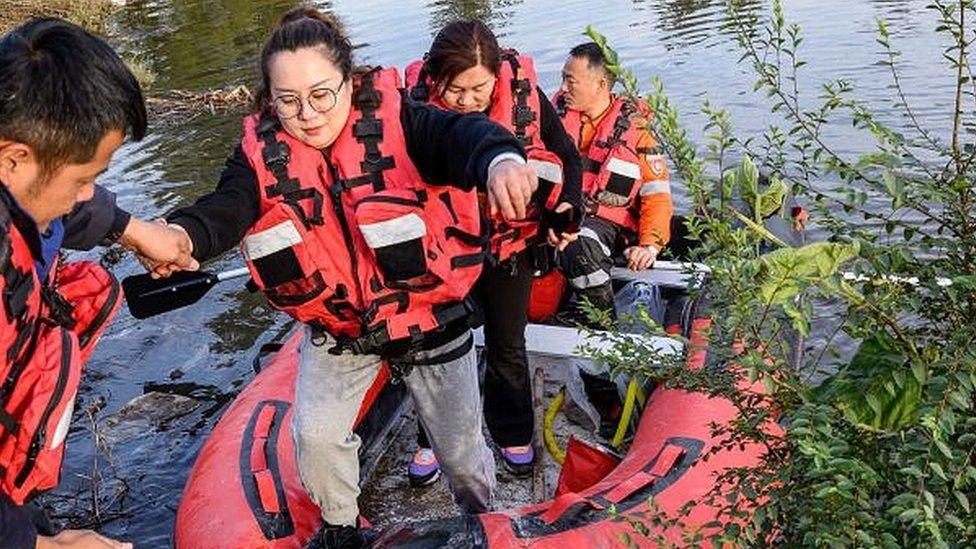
90	14
184	105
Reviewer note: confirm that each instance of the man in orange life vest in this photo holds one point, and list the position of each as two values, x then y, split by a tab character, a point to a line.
625	178
627	194
66	104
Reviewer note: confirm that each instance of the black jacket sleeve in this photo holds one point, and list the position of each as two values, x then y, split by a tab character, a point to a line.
451	148
95	222
217	221
555	138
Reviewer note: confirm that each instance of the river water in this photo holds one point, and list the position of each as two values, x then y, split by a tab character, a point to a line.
205	351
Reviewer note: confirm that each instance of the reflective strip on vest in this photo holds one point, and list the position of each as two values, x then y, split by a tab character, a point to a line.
586	232
624	168
277	238
393	231
61	432
547	170
654	187
596	278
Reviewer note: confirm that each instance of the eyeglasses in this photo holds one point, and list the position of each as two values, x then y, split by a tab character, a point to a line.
321	100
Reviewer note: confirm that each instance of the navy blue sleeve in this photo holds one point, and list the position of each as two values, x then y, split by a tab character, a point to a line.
18	528
449	148
96	222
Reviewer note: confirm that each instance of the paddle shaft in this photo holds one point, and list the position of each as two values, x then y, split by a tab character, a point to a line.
233	273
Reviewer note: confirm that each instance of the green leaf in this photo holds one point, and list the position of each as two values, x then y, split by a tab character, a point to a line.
870	394
772	199
910	515
944	449
748	179
784	273
962	499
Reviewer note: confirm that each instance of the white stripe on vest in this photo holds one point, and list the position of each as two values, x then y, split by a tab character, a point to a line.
654	187
622	167
393	231
547	170
277	238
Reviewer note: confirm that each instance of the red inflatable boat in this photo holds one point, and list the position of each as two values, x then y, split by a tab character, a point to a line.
244	490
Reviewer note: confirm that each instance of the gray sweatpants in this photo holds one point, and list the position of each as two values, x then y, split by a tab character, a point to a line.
329	392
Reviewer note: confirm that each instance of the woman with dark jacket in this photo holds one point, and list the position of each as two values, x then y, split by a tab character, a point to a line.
466	71
357	215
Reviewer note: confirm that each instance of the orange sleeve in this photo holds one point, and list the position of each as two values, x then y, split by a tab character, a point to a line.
656	206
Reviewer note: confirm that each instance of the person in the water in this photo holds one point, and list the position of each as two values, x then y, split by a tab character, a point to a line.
67	103
466	71
358	215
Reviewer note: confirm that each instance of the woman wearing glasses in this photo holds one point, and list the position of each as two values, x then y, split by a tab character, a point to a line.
340	198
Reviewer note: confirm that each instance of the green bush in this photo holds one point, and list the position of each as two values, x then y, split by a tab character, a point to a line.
879	446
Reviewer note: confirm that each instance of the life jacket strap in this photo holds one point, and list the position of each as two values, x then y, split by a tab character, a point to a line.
276	155
368	131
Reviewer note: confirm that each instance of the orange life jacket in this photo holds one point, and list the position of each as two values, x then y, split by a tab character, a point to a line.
515	105
611	166
351	240
48	331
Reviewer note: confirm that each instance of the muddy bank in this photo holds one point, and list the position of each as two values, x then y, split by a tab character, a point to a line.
165	106
90	14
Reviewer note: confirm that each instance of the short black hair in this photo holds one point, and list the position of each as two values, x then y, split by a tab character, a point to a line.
62	90
594	59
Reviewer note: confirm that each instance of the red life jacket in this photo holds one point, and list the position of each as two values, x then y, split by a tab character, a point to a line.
48	332
611	166
515	105
352	240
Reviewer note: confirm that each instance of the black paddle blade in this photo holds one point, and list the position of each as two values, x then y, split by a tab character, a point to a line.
148	297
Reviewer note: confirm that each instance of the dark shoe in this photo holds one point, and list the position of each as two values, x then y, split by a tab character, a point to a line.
341	537
424	469
519	460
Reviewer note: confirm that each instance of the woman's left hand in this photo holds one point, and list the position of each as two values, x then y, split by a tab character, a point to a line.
563	239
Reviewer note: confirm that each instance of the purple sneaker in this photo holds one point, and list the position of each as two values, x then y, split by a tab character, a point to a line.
423	469
520	460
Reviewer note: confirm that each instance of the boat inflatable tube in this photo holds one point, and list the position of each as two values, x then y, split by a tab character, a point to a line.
245	491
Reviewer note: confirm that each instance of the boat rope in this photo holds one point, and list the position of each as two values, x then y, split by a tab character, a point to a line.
557	453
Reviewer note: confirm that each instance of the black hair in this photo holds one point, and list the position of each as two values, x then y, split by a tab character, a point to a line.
62	90
460	46
304	27
594	59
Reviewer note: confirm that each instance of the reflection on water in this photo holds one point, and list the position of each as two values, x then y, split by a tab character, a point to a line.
205	351
494	14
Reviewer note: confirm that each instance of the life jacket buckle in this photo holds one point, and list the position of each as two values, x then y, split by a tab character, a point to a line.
276	153
368	128
59	308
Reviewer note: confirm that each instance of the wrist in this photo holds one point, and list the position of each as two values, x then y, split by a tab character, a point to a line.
132	234
183	230
502	158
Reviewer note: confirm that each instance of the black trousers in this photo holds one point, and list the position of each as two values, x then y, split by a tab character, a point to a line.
503	293
587	263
